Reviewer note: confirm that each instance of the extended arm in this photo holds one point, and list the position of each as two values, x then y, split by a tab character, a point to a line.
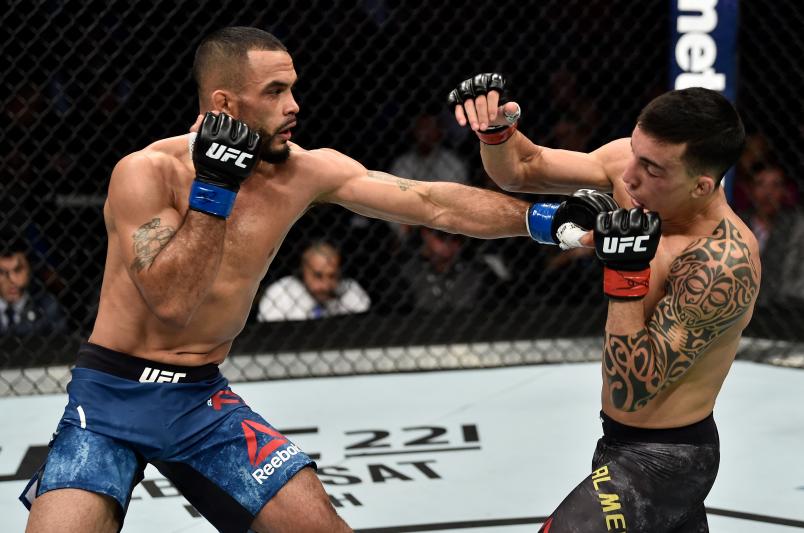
447	206
711	285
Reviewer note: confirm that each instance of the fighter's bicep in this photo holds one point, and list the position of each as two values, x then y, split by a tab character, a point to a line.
142	211
382	195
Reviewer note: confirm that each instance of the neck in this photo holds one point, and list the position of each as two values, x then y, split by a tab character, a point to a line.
698	211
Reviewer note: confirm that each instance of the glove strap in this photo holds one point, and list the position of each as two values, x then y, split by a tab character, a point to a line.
211	199
626	284
539	221
497	134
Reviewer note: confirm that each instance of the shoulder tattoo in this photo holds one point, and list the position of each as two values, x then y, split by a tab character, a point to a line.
402	183
710	286
149	239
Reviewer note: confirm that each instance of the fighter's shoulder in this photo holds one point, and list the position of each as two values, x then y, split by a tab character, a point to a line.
326	163
730	251
156	165
160	156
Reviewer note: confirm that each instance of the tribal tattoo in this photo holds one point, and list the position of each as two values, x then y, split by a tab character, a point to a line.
710	286
149	239
402	183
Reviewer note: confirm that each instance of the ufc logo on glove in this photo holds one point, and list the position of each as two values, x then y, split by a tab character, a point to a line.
621	244
224	153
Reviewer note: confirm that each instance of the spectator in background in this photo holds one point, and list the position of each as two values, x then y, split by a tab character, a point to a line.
441	277
428	159
317	292
778	224
24	312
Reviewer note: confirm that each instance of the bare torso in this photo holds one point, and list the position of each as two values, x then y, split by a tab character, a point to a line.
691	397
266	208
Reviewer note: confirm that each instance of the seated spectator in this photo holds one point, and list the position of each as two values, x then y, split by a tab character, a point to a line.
317	292
24	311
428	159
778	225
440	277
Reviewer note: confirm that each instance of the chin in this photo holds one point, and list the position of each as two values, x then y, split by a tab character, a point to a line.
275	156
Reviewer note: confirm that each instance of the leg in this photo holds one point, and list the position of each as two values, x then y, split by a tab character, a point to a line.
243	473
73	511
85	484
300	506
696	523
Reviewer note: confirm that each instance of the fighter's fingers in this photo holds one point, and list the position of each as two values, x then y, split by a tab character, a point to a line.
493	101
511	111
588	239
481	107
471	114
460	115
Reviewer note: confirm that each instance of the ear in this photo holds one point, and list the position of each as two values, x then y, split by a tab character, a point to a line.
704	186
223	102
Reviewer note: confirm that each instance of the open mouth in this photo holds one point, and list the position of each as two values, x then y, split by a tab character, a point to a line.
285	132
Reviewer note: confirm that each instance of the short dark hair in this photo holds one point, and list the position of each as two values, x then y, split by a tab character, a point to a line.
224	50
11	244
702	119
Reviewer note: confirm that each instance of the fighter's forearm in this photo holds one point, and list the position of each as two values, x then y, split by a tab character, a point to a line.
508	163
175	267
633	372
477	212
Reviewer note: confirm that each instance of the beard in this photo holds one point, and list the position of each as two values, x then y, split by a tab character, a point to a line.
269	154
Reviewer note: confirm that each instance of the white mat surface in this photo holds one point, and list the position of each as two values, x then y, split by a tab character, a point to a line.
497	449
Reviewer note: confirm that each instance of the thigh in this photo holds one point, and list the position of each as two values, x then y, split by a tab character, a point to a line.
696	523
73	511
86	476
239	465
301	505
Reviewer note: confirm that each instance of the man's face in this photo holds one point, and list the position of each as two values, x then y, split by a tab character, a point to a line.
15	275
266	102
768	191
321	274
656	177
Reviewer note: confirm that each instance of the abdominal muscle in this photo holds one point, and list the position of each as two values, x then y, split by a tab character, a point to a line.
126	324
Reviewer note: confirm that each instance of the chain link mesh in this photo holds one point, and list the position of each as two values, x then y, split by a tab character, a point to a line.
87	82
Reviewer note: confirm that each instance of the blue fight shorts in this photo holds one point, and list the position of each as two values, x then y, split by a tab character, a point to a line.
124	412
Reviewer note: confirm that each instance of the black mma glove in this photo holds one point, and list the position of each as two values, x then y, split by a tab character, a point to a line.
625	242
224	154
565	223
479	85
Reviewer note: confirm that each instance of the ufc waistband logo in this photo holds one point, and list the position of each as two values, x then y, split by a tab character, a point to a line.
154	375
225	153
621	244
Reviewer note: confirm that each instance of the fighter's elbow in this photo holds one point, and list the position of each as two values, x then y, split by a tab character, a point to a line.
515	179
172	314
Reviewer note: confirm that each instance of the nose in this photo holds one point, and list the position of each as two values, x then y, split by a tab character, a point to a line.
630	177
292	107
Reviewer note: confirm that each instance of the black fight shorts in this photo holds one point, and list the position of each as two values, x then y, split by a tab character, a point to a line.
643	481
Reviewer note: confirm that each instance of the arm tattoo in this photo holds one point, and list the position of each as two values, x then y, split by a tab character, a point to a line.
710	286
402	183
149	239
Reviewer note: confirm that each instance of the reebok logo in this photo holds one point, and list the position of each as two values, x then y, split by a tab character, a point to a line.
619	245
224	153
250	430
154	375
223	397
